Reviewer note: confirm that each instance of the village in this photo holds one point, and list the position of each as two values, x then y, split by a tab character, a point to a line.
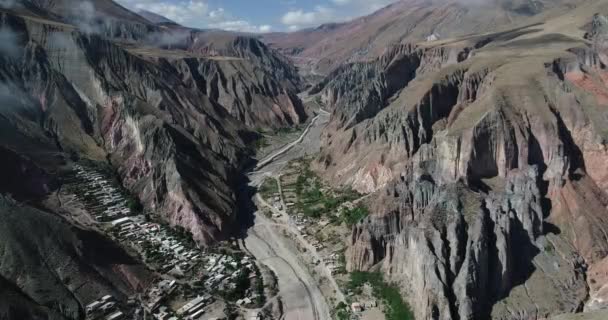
193	282
202	284
322	217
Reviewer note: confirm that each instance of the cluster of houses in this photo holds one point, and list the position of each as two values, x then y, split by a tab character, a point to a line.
104	308
155	295
163	249
276	201
155	240
195	308
109	203
357	307
290	197
222	270
304	225
333	262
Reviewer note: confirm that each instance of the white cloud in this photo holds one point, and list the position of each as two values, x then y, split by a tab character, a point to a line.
319	15
217	14
239	25
195	13
336	11
184	12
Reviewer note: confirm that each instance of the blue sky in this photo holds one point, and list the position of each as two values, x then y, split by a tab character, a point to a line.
257	15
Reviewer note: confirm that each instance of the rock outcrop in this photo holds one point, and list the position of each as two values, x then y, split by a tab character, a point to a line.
254	97
491	192
174	123
256	84
155	131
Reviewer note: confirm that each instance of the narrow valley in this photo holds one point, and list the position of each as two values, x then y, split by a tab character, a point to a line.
308	160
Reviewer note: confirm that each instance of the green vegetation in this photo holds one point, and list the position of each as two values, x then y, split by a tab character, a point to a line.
241	285
134	205
352	216
341	262
341	312
184	235
231	312
261	143
315	202
269	187
397	309
286	131
152	252
259	288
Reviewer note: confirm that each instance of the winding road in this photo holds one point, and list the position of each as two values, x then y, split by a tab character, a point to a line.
271	158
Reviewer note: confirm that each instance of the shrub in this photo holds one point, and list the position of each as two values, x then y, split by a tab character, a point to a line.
397	309
353	216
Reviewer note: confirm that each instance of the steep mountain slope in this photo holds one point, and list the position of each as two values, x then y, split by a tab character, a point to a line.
16	305
108	103
53	275
156	18
158	117
174	123
487	155
323	49
267	81
222	43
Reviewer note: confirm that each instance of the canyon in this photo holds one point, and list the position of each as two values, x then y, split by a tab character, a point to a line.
475	133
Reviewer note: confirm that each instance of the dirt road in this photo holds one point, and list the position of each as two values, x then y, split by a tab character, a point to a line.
299	292
302	299
309	247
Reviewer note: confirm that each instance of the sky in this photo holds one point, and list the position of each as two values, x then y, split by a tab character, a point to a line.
257	15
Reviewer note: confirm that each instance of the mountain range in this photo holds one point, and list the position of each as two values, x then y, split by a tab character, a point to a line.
477	128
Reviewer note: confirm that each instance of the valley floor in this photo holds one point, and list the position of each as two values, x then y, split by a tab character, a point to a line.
311	278
301	296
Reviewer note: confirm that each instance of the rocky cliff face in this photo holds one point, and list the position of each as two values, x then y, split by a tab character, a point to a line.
174	124
378	106
361	90
221	43
460	254
254	97
50	276
491	191
257	84
109	103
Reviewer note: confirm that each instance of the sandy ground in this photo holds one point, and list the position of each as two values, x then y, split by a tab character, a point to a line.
299	291
372	314
300	294
310	144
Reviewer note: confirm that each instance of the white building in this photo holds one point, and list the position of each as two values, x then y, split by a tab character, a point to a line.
120	221
432	37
